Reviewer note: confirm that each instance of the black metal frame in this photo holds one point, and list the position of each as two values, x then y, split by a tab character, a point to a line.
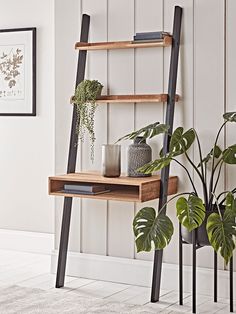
170	107
33	107
65	227
196	246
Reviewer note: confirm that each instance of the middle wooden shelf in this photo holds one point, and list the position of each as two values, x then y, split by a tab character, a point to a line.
139	98
123	188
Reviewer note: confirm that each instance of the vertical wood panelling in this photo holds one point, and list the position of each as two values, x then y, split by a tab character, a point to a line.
94	212
107	227
183	109
121	119
148	79
230	86
208	81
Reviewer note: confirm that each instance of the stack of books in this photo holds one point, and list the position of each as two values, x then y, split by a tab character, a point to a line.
150	36
86	189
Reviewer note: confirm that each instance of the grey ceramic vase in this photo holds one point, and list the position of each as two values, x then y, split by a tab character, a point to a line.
139	154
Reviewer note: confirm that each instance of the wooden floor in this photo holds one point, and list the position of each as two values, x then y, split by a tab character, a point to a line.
32	270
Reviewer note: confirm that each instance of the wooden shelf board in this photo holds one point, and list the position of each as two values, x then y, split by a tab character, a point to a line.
148	98
113	196
122	188
167	41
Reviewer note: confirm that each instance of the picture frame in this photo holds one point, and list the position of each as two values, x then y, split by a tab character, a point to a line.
18	72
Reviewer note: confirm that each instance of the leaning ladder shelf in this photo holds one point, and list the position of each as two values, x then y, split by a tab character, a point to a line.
164	184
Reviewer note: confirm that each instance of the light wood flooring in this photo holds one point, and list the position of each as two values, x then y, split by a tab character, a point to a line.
33	270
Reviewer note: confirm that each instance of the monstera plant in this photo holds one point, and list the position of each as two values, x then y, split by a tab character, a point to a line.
200	209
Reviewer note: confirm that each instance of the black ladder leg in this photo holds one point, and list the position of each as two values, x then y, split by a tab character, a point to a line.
180	267
194	286
231	285
215	276
157	266
65	226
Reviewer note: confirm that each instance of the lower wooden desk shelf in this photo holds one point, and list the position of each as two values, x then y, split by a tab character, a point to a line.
123	188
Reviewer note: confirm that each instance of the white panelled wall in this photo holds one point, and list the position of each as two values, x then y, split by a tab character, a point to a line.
205	82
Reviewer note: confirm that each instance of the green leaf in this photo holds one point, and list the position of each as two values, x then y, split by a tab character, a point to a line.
180	142
230	203
230	116
229	155
151	229
221	232
155	165
148	131
190	212
216	152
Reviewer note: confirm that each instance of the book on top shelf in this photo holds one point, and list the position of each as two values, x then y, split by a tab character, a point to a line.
150	36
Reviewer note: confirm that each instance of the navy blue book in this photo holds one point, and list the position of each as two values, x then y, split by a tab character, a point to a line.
84	192
150	36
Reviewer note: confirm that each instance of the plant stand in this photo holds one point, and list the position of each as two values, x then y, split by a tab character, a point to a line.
195	247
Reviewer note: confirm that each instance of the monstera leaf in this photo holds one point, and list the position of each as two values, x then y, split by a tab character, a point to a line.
229	155
155	165
151	229
190	212
180	142
230	116
148	131
216	152
230	203
221	233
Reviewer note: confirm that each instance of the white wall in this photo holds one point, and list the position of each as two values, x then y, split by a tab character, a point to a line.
205	81
27	143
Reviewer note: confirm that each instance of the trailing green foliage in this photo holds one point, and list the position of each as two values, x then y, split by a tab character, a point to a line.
190	212
148	131
150	228
84	99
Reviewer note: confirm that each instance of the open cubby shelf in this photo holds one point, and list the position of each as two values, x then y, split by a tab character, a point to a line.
121	189
165	42
144	98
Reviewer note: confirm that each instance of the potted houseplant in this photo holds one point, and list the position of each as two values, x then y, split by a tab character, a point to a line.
211	215
84	99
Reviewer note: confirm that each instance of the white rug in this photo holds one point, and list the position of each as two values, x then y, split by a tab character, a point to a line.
20	300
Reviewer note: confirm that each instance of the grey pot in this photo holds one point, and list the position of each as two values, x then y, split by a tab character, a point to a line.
201	234
139	154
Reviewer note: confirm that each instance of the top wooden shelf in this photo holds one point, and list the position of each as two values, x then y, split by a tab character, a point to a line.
165	42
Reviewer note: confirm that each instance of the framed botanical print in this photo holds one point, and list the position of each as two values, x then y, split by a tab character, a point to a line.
18	72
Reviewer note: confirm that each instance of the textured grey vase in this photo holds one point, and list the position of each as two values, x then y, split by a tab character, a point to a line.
139	154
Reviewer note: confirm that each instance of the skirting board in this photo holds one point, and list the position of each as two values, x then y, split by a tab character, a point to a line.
25	241
137	272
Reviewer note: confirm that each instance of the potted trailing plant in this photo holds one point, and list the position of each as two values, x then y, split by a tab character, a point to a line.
212	216
84	99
